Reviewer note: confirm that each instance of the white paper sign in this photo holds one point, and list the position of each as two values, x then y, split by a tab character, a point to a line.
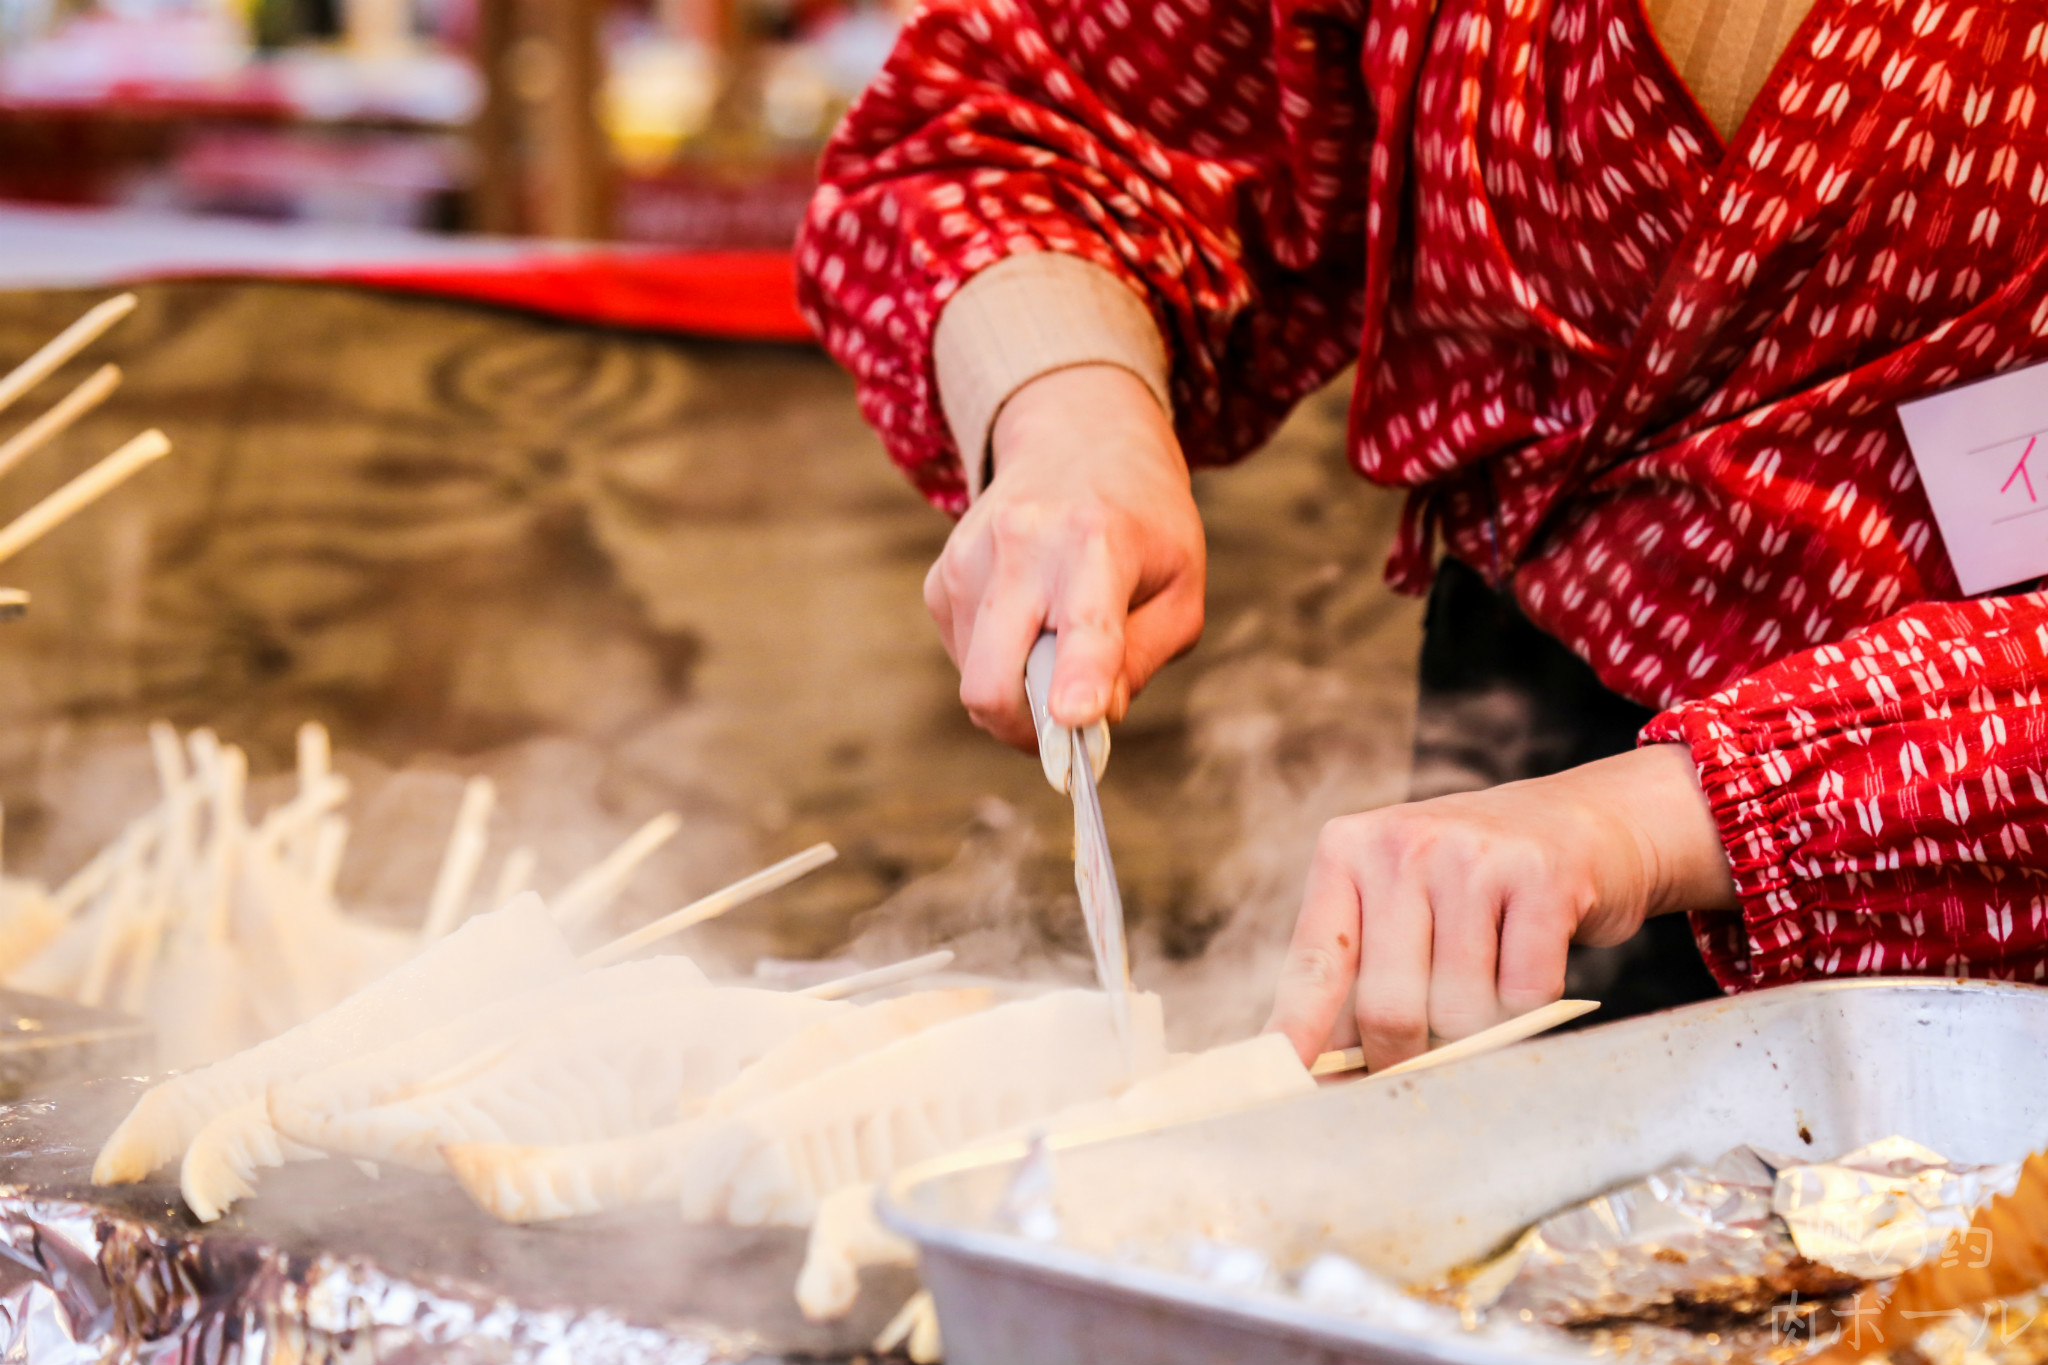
1982	452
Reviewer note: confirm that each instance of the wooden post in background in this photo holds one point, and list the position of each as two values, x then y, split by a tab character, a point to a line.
574	170
543	164
497	180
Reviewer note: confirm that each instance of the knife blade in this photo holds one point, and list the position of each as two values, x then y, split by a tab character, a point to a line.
1073	760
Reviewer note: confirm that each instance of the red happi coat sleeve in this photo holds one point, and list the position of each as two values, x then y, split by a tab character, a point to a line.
1884	800
1216	155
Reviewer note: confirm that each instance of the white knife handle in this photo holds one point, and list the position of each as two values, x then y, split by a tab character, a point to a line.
1056	742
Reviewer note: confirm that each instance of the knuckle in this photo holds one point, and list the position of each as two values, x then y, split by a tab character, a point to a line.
1086	521
1340	836
957	579
1017	528
984	700
1386	1022
1316	968
1460	1021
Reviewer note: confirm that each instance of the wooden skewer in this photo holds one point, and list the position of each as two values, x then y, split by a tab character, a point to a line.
87	883
60	506
587	896
900	1327
1522	1026
877	977
229	783
315	753
459	864
63	346
330	840
59	418
515	875
717	903
315	763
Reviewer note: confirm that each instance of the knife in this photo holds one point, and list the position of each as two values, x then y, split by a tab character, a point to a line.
1073	761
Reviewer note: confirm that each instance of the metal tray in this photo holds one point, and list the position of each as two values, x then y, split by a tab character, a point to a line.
1415	1174
45	1042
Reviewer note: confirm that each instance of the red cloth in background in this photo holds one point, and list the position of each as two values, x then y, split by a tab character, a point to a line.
743	295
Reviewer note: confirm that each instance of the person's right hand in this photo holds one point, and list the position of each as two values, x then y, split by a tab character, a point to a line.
1088	528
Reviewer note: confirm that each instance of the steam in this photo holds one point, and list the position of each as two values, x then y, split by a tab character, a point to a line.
1281	731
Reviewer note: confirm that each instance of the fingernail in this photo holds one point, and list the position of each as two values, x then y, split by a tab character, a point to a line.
1082	699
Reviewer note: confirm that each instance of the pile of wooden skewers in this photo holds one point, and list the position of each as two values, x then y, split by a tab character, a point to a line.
224	930
94	483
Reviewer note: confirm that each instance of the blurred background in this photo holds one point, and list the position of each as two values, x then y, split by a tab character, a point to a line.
500	449
688	123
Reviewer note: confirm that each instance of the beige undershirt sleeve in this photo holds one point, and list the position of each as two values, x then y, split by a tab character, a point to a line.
1033	313
1025	316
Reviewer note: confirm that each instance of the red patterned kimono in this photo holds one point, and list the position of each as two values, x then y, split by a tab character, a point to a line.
1645	382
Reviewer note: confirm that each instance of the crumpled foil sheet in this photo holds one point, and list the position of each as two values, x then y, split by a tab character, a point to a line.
1719	1244
329	1265
1882	1209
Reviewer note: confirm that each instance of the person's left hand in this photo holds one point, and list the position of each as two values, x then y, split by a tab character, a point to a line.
1450	915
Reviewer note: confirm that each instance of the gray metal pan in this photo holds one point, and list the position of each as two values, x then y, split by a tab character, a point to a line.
1412	1175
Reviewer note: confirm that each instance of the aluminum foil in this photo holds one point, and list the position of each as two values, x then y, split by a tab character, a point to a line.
1882	1209
1749	1238
329	1265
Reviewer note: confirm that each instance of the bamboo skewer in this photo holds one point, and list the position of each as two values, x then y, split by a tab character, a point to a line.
1522	1026
717	903
459	864
587	896
875	978
60	416
62	347
515	875
66	502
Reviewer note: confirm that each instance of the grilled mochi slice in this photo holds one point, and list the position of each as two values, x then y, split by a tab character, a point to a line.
846	1236
840	1040
530	1184
221	1164
931	1093
494	955
435	1058
597	1071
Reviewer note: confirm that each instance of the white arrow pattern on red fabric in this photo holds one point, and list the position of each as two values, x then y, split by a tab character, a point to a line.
1646	383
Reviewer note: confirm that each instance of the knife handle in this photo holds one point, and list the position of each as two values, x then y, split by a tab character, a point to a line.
1055	741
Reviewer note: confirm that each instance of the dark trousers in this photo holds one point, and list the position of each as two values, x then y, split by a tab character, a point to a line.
1502	701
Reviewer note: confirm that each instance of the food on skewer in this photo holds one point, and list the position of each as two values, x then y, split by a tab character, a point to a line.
528	1183
928	1094
846	1236
412	1065
843	1038
492	956
222	1163
600	1070
608	1050
224	930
